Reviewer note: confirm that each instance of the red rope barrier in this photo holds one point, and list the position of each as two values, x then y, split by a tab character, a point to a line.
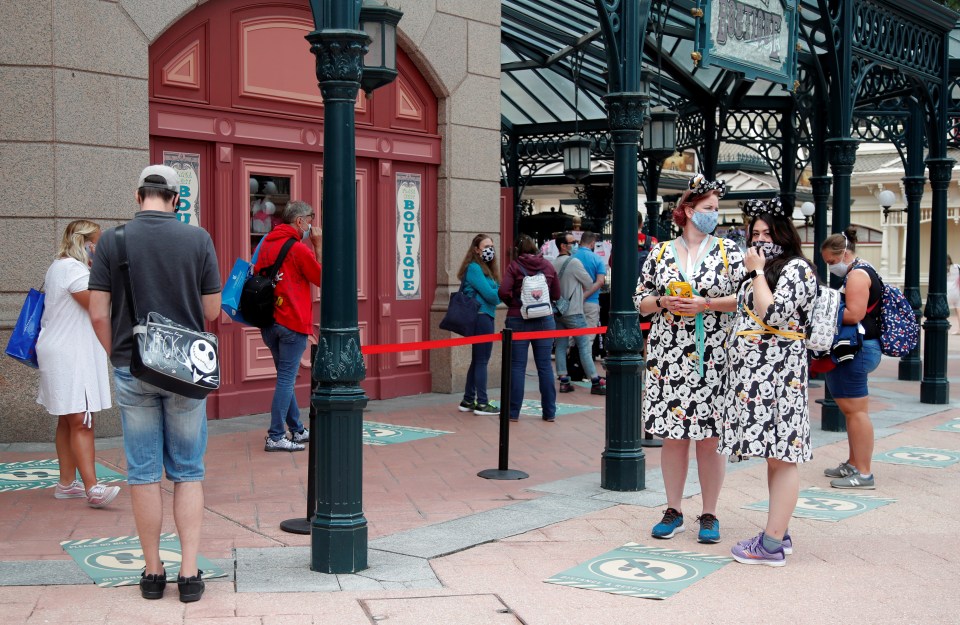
392	348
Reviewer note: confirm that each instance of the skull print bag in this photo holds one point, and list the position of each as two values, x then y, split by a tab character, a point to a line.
165	353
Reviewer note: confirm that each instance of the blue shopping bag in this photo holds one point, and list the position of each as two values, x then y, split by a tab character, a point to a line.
22	345
233	287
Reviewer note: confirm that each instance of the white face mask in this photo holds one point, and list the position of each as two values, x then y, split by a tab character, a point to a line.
306	233
839	269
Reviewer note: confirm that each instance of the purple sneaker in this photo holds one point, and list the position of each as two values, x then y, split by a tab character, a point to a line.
787	544
752	552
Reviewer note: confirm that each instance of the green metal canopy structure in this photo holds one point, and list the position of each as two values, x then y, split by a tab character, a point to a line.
865	71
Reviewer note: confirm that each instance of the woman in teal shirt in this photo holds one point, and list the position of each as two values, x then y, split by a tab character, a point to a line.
479	274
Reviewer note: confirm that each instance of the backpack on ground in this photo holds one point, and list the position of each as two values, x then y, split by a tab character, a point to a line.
824	319
256	299
574	364
534	295
899	329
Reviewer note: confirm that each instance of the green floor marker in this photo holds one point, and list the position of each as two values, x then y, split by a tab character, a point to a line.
35	474
636	570
534	408
950	426
829	504
925	457
118	561
387	434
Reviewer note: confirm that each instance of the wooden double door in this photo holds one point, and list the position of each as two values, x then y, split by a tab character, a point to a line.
240	200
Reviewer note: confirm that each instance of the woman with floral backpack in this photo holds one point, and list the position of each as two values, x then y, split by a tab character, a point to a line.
862	293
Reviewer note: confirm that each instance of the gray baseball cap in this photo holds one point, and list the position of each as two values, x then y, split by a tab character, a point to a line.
169	174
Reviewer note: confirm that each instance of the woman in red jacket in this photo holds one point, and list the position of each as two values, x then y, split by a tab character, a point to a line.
293	318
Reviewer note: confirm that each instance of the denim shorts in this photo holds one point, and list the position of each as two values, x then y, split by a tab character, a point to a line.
161	431
849	380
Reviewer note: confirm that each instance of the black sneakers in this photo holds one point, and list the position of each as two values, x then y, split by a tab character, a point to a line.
191	588
152	586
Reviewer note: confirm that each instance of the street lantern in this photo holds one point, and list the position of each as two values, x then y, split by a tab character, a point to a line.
807	209
380	63
576	157
660	133
887	199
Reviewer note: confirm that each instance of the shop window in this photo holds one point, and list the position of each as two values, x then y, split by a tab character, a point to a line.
269	196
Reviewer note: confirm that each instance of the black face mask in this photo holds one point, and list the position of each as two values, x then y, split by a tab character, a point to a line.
769	248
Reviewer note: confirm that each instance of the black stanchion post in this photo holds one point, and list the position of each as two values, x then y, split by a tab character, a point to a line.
302	525
502	472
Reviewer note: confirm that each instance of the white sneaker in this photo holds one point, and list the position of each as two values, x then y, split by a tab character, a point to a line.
302	437
100	495
284	444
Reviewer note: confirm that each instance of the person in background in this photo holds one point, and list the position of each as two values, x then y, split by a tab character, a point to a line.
862	291
685	355
479	273
163	432
597	270
74	381
765	410
293	318
574	280
953	291
527	263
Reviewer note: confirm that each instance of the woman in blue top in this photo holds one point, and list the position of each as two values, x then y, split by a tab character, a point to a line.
479	274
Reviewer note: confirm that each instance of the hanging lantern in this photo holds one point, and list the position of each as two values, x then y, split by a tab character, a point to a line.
576	157
380	62
660	132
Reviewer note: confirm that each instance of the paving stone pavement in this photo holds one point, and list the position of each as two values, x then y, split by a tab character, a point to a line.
449	547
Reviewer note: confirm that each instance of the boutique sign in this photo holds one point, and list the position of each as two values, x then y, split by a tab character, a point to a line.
757	38
408	236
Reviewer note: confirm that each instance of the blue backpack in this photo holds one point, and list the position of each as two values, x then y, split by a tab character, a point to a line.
899	329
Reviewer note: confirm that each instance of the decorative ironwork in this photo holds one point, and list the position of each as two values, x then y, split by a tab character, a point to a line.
893	37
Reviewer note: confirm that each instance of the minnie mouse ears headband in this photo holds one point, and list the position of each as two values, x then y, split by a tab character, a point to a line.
700	185
755	208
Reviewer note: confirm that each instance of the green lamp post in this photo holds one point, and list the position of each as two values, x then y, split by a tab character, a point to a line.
338	535
622	466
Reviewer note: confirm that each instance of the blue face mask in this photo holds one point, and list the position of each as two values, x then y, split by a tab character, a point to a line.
574	248
705	222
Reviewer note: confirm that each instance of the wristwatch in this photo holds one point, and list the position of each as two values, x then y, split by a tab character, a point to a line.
706	303
658	302
753	274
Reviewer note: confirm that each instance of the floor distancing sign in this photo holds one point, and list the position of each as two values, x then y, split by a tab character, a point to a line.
952	425
119	561
829	504
925	457
534	408
636	570
34	474
387	434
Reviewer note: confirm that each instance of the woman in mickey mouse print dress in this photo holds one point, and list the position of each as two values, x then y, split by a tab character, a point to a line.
685	356
765	410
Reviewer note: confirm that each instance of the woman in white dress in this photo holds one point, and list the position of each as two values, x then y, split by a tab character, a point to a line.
953	291
685	355
73	365
765	410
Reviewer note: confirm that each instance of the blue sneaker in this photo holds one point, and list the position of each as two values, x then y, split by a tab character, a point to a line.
672	523
709	529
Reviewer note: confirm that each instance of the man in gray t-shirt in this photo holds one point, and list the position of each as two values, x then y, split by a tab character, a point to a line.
573	280
174	271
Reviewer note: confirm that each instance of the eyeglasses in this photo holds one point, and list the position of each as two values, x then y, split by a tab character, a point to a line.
571	242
